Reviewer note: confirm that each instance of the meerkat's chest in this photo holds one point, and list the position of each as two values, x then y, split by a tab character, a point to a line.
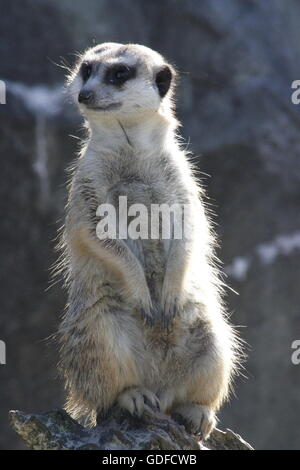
136	190
137	204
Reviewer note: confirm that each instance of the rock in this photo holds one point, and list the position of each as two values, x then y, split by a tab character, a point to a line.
56	430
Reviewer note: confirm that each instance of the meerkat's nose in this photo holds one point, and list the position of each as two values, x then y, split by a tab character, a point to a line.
85	96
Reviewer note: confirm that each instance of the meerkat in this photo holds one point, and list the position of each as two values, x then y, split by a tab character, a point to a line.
145	323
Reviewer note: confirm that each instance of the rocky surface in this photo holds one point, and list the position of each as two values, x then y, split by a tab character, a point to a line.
56	430
237	61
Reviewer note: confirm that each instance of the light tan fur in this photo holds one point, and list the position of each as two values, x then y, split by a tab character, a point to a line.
109	354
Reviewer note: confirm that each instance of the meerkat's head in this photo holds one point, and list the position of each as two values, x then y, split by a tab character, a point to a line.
122	81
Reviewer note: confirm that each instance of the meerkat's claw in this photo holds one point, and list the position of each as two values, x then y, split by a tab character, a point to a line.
147	310
171	308
134	400
148	317
197	419
150	398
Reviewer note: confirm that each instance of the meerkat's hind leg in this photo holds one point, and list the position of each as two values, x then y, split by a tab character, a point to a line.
197	419
134	400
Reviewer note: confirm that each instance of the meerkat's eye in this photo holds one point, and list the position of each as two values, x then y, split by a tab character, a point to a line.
86	71
119	74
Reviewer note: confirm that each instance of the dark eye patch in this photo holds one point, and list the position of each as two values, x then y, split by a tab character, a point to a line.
163	80
86	70
119	74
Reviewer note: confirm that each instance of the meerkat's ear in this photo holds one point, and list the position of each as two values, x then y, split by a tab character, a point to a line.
163	80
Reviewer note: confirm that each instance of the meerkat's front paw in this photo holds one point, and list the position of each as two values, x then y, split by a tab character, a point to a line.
148	314
171	304
146	309
197	419
134	400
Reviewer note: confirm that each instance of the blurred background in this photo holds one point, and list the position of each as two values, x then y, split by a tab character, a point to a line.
237	61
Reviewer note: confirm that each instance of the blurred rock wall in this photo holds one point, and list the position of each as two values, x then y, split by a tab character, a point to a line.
237	61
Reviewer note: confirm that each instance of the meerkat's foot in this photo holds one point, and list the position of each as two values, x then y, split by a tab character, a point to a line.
197	419
134	400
